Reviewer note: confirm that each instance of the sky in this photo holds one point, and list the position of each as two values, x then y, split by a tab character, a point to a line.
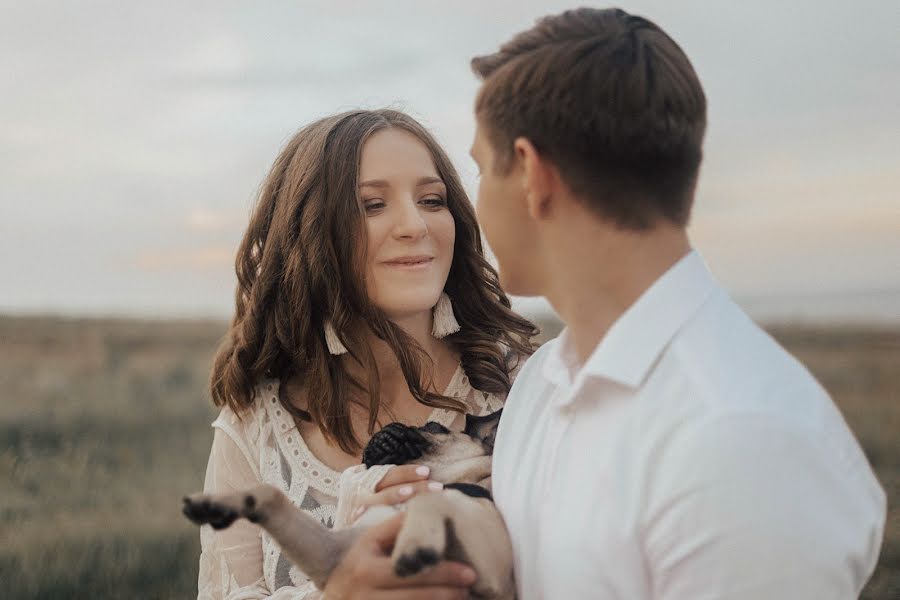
134	137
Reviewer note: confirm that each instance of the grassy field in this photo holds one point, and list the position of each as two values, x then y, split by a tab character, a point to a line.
104	425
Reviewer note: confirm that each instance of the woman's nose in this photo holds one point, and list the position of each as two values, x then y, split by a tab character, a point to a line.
410	223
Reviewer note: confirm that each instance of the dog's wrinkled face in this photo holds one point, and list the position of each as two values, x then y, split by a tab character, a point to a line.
399	444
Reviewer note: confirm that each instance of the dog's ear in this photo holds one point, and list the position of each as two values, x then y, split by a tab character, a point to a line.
432	427
483	428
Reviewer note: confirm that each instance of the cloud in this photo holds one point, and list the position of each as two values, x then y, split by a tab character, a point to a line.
209	259
142	131
203	219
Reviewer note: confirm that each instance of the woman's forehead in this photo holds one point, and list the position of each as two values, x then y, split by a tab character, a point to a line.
395	156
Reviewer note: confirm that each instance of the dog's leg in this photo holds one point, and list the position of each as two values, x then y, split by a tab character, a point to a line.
451	525
422	540
477	536
314	548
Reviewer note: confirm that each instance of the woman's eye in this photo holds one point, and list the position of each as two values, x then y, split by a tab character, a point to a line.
373	205
434	202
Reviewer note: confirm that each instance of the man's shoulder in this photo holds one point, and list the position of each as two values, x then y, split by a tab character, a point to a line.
730	363
726	394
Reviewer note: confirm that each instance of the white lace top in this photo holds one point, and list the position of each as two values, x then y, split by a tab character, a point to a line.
243	562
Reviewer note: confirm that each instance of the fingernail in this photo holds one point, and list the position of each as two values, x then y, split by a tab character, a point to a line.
435	486
467	576
405	490
423	471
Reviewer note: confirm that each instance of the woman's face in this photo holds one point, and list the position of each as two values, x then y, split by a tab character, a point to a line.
410	229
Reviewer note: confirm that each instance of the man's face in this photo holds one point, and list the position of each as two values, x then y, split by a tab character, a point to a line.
503	216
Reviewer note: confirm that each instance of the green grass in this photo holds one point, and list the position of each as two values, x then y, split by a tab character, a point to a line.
104	426
104	564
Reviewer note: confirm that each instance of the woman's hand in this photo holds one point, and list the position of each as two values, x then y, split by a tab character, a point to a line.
402	483
398	485
366	571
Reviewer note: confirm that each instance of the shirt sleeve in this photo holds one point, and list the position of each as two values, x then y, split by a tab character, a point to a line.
231	560
746	507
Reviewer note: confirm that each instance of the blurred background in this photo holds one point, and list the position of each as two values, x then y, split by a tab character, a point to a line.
133	139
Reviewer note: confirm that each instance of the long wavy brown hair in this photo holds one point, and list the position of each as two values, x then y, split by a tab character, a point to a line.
302	263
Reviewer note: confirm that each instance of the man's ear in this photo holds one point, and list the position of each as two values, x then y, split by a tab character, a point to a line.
538	177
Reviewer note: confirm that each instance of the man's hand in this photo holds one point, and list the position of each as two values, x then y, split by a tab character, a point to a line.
367	572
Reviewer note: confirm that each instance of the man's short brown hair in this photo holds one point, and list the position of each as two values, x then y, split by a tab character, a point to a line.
611	100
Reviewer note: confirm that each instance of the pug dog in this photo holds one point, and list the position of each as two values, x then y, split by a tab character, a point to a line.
459	523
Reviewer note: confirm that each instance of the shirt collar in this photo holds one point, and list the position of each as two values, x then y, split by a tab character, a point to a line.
632	345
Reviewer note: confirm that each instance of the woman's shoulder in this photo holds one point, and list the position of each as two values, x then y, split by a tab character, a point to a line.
246	425
262	389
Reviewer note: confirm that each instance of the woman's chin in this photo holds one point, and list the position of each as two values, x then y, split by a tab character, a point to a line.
404	313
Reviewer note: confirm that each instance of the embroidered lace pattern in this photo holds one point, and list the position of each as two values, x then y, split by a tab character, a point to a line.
264	446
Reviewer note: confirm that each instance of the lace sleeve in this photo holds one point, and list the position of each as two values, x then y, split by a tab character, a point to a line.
258	591
356	483
231	560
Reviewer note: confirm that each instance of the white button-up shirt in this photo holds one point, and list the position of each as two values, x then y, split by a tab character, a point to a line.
690	457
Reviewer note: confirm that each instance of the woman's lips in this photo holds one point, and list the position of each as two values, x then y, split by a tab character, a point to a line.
415	263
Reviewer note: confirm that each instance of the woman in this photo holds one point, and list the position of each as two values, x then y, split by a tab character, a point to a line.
363	298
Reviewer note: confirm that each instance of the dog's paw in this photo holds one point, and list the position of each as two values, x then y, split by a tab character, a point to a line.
219	511
414	561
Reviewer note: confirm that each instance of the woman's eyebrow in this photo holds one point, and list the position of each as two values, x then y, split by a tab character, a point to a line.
381	183
428	180
378	183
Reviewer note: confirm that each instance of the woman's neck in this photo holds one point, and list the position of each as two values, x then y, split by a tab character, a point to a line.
440	353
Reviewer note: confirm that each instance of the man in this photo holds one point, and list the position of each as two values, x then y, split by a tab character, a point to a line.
663	446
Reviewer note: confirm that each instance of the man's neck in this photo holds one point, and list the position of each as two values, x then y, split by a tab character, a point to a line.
596	273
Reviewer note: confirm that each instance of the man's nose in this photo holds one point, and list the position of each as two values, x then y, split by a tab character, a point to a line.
410	224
